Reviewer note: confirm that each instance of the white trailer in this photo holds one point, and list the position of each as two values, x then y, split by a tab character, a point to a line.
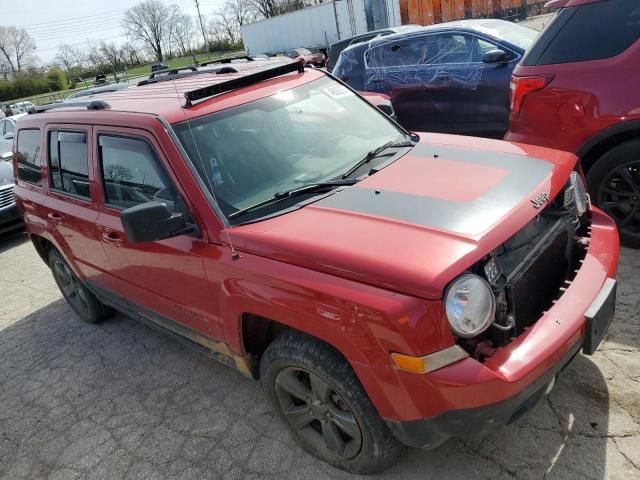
320	25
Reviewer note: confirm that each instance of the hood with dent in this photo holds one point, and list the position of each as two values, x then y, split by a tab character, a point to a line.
416	224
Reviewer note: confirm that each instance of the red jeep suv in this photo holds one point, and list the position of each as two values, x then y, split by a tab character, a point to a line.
576	89
385	290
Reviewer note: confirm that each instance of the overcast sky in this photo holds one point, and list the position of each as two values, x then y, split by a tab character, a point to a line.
52	22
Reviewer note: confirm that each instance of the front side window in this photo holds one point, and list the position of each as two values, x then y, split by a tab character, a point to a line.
422	50
132	173
29	156
69	163
312	133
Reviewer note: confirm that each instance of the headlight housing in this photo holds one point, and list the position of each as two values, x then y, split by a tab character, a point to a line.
470	305
577	194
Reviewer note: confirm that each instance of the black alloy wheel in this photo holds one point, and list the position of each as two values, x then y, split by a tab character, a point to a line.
618	194
79	298
321	416
614	184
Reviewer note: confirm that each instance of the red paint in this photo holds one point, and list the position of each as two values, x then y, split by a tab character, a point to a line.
368	286
582	100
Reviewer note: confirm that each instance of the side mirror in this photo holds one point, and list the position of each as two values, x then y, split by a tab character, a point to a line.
387	109
8	136
415	138
6	156
496	56
152	221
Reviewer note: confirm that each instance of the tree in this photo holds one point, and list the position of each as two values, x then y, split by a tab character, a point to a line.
17	47
131	54
111	53
150	22
94	55
184	33
66	57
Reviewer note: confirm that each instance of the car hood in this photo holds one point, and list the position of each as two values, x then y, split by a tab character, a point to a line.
416	224
6	173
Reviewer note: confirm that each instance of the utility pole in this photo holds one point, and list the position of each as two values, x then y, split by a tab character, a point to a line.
204	36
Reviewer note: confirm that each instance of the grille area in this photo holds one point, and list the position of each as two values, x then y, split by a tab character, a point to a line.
6	197
536	265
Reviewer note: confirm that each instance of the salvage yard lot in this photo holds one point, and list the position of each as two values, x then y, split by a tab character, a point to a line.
119	400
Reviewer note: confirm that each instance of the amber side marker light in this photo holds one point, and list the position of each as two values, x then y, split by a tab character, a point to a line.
431	362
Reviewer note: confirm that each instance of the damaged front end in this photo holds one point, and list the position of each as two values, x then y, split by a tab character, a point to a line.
531	270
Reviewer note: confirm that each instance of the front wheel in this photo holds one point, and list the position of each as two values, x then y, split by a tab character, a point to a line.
79	298
614	183
321	401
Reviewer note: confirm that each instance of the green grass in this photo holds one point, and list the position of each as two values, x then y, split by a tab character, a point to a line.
142	71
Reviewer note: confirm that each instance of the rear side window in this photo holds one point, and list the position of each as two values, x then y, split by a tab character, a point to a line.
29	156
132	173
69	163
593	31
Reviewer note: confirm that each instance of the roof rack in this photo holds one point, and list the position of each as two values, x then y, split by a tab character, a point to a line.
240	82
88	104
166	78
173	71
228	60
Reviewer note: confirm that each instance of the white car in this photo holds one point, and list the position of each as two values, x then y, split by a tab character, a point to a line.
6	132
21	107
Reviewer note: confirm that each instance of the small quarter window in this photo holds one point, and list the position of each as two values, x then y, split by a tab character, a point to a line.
29	156
69	162
132	173
8	127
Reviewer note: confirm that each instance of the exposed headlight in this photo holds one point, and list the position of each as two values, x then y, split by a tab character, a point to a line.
580	197
470	305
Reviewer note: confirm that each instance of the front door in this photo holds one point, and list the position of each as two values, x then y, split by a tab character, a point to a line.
166	278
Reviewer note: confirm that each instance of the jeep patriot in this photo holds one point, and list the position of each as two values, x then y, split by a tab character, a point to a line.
386	288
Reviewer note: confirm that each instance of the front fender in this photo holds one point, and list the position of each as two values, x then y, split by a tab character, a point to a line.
364	323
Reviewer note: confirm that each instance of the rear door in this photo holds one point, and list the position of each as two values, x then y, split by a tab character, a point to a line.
70	207
166	278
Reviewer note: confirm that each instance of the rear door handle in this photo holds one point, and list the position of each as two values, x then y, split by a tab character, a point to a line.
112	238
55	216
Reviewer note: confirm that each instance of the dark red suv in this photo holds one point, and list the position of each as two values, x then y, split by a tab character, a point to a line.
577	90
386	290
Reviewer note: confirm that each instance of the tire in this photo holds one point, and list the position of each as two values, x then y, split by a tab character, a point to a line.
84	303
336	422
614	183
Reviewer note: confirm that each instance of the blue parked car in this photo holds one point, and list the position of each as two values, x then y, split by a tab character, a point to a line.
452	77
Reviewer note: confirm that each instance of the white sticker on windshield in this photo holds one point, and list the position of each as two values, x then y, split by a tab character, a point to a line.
338	91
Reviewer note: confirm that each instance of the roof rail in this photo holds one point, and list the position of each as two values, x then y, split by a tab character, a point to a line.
172	71
240	82
228	60
88	104
166	78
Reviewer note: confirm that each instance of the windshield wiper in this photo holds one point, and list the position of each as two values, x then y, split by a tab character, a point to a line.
376	152
306	188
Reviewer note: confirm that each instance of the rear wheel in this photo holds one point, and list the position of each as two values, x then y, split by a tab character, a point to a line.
321	401
614	183
79	298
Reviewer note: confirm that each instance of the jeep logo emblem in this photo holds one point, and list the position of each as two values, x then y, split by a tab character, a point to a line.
540	200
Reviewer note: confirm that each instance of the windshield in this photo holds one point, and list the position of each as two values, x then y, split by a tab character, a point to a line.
312	133
517	35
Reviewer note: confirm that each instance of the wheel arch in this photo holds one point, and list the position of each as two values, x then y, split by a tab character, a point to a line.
258	331
603	141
